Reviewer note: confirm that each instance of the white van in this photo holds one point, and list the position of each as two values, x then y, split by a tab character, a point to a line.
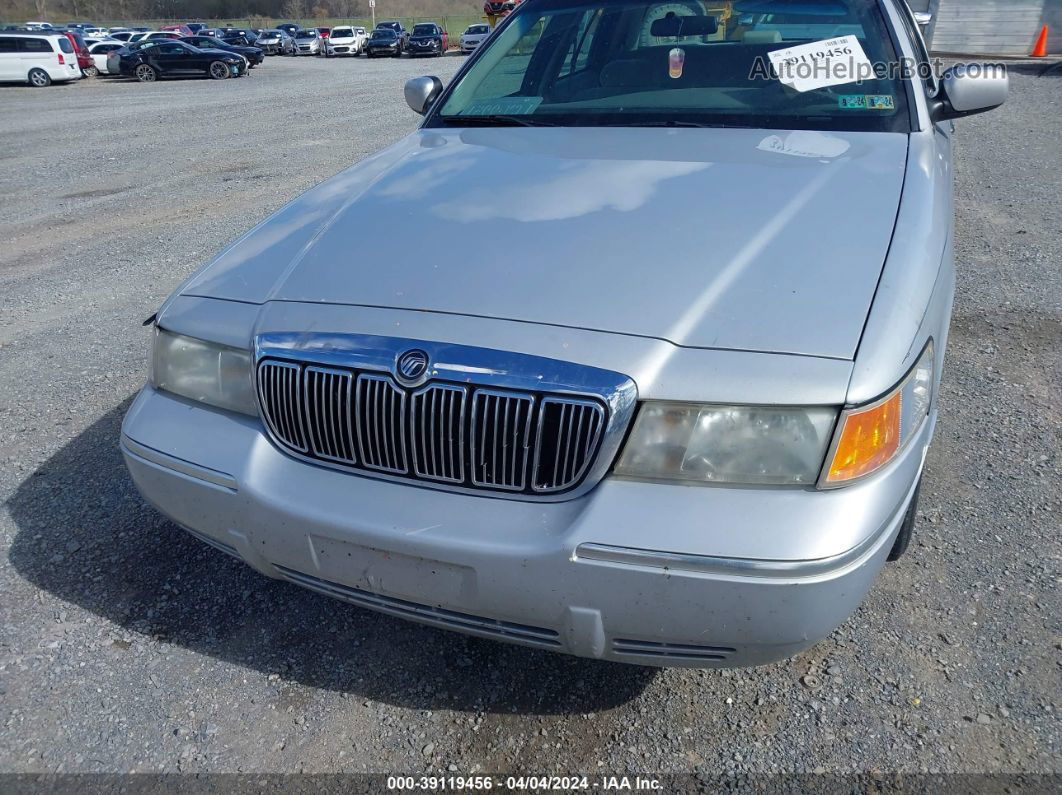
37	58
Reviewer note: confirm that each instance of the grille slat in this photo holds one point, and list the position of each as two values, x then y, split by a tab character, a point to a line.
516	441
434	614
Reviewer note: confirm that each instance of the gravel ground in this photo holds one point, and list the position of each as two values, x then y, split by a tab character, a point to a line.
128	645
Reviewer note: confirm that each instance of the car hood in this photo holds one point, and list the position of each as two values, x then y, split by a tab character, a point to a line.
735	239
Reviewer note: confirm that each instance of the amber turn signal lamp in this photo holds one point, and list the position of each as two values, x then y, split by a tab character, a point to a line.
868	440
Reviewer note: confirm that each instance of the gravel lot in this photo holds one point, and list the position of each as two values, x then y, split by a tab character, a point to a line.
128	645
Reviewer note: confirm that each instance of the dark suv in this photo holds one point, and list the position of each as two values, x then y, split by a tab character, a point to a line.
396	26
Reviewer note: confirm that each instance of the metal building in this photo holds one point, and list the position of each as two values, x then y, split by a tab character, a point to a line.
991	27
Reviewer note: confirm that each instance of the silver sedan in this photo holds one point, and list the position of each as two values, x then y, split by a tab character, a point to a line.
673	407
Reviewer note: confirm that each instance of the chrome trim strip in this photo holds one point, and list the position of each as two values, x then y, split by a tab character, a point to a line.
156	457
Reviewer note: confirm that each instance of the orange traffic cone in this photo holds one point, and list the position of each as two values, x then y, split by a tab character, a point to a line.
1040	48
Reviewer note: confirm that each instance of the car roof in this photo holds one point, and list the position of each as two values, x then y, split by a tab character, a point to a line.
35	34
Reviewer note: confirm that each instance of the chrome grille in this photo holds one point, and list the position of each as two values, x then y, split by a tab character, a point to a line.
379	415
568	434
437	420
457	435
330	431
279	389
501	438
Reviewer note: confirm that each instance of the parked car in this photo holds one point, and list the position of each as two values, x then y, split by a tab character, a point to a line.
84	60
687	427
309	42
154	35
325	32
427	38
99	52
93	33
35	26
397	27
195	27
473	36
384	41
276	42
289	27
39	59
183	30
114	56
241	36
254	55
346	40
176	59
122	35
498	7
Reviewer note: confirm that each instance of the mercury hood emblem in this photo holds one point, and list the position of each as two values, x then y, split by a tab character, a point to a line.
411	366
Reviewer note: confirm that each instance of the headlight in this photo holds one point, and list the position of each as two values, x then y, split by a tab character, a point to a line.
203	371
700	443
870	436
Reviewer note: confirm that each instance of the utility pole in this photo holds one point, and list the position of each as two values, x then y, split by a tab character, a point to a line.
372	7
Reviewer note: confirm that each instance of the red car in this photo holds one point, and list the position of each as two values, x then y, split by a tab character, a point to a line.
325	32
84	60
184	30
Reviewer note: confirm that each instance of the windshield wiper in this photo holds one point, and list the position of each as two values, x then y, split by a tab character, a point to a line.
497	121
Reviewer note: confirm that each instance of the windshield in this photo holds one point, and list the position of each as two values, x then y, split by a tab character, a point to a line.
477	30
342	33
691	62
306	34
384	33
423	30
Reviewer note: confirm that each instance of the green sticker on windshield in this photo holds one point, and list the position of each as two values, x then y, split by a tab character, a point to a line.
866	102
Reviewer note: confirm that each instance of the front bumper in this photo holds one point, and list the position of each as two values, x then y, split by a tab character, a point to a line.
433	48
582	576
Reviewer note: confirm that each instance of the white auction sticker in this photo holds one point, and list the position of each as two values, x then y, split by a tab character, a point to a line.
832	62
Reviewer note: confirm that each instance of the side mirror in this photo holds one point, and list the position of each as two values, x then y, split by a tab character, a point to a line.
967	89
420	92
